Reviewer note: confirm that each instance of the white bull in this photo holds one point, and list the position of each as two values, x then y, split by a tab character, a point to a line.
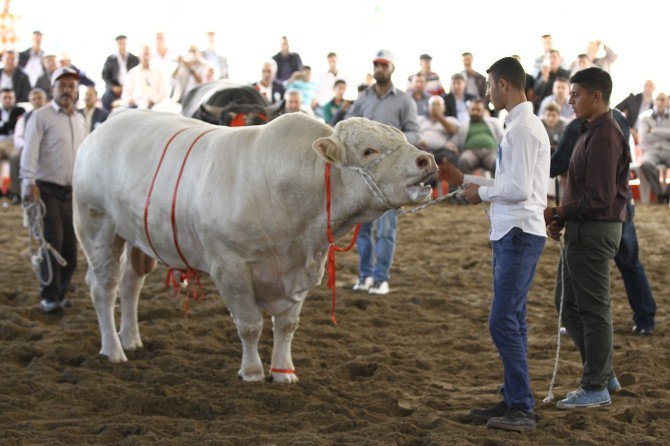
249	211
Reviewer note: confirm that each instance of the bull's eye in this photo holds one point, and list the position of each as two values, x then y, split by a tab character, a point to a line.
369	152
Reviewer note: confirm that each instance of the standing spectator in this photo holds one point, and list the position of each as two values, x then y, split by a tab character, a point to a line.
478	140
436	132
31	60
164	60
189	73
53	136
145	86
604	62
37	98
44	81
326	81
553	124
593	211
94	116
654	131
115	71
627	258
635	105
475	83
384	103
559	97
337	104
543	60
544	82
433	83
518	195
219	63
420	95
65	61
287	61
12	77
456	100
293	103
302	81
268	87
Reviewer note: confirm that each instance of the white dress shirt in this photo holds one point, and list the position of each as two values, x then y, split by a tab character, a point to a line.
34	68
6	81
123	67
144	85
518	195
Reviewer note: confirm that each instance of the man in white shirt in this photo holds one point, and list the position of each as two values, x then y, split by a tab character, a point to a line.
327	80
144	86
518	196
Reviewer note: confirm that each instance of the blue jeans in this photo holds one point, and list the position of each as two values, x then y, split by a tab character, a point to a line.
515	258
376	256
639	294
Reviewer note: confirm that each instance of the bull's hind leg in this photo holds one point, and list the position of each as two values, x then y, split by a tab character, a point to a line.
102	247
283	327
134	269
248	320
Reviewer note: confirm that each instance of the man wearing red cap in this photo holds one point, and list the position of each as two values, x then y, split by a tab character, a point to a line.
52	138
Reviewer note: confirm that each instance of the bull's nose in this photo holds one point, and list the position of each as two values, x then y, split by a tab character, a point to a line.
422	161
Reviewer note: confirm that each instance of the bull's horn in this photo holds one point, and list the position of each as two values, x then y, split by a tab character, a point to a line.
213	110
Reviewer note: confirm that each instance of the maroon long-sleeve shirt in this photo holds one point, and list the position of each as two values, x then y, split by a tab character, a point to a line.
598	174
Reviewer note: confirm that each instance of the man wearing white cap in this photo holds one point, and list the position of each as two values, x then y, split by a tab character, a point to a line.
384	103
52	138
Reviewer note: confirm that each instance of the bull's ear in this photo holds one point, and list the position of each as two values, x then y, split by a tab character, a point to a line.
329	149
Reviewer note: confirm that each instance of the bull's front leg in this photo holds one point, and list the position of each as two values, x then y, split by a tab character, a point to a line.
283	327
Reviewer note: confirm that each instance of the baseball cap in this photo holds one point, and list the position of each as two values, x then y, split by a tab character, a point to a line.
384	56
61	72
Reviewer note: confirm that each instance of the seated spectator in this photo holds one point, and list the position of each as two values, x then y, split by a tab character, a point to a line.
302	81
327	80
456	101
9	114
635	105
37	98
478	140
188	74
433	83
92	113
65	61
604	62
337	104
164	59
31	60
293	103
475	83
420	95
13	78
580	64
654	132
560	97
115	70
287	61
271	89
44	81
544	82
555	126
144	86
543	60
436	131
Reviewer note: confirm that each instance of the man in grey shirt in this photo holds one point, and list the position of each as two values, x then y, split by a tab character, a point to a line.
52	138
384	103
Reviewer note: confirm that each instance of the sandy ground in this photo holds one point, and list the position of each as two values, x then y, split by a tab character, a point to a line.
399	369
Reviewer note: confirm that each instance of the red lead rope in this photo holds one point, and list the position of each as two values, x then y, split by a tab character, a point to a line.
332	247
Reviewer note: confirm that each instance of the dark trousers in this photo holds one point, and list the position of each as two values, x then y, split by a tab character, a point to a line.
59	232
514	260
651	172
589	248
639	293
108	99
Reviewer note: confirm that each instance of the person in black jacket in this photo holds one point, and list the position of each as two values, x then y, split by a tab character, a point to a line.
636	104
544	82
94	115
12	77
287	62
9	114
114	72
455	101
31	60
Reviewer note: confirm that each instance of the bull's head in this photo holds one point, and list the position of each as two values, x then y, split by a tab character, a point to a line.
381	153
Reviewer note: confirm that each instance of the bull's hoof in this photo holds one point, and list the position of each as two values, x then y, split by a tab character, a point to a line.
115	357
284	378
130	343
251	377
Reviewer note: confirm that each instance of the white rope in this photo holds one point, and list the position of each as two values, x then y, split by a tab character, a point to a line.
550	395
431	202
39	248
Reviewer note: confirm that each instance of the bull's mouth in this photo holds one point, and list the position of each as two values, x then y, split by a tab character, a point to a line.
419	191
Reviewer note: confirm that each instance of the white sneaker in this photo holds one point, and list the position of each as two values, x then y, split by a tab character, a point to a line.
379	287
363	284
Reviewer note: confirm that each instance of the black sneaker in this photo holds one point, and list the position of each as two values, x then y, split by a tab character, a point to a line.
643	331
484	415
514	420
49	305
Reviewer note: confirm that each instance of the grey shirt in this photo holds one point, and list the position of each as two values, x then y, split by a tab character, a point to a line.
51	141
395	108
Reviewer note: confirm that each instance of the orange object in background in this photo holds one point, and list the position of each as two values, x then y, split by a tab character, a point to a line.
4	185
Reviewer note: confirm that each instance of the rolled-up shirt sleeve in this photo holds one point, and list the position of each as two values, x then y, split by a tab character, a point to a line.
520	160
410	124
602	157
30	154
